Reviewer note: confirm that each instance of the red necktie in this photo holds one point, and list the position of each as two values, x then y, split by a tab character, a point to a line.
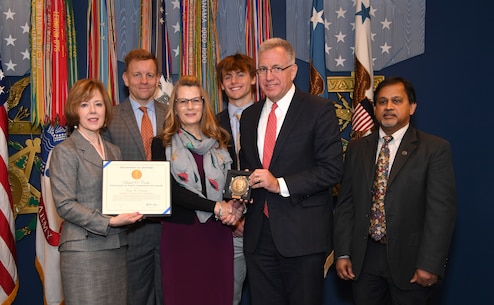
269	142
147	133
378	220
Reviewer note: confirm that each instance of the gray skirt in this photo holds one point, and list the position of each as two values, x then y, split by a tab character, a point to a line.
96	277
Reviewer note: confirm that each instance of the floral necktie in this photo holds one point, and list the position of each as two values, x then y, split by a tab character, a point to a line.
378	220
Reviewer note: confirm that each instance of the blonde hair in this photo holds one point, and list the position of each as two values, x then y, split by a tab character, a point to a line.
209	126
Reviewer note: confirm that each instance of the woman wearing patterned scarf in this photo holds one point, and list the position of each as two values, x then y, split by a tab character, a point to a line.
196	248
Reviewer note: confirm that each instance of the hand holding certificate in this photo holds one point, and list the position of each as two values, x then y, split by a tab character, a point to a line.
142	186
125	219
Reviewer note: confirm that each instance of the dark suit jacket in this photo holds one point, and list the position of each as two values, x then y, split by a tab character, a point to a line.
184	202
420	205
308	155
123	130
224	121
76	174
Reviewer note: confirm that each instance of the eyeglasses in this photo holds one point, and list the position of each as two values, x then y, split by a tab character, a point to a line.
184	102
274	70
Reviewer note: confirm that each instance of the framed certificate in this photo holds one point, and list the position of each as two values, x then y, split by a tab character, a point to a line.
137	186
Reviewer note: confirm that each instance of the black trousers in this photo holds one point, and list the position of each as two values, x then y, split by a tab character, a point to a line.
278	280
376	287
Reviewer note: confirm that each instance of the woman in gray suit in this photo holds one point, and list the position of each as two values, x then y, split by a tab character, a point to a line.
92	245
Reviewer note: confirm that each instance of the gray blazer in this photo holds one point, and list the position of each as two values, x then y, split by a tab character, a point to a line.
76	175
123	130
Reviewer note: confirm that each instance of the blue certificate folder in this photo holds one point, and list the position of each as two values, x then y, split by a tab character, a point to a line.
136	186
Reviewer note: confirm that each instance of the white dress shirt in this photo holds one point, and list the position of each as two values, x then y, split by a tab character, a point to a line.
392	145
283	105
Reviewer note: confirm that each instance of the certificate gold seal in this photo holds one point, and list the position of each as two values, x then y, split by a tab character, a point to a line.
239	186
136	174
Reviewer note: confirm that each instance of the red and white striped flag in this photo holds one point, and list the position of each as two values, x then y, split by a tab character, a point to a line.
9	282
362	118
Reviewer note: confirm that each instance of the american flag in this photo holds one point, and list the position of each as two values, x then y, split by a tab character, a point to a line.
362	118
9	282
14	36
397	31
317	59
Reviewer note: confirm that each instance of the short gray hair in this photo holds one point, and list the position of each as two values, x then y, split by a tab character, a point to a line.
278	42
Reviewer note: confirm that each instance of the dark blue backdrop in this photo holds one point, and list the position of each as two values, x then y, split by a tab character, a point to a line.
452	79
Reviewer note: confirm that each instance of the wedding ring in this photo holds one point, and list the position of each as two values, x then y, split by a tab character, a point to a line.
258	180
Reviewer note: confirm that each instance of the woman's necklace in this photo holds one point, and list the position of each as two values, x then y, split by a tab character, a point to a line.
97	144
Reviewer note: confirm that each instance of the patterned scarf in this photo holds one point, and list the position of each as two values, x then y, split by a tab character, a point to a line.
184	168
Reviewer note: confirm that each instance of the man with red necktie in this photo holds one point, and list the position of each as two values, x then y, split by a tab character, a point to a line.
288	232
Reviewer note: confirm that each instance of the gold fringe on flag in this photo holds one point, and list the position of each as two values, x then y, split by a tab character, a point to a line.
53	59
37	62
71	44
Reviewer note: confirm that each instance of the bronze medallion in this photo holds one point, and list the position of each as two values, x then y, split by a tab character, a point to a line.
239	186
